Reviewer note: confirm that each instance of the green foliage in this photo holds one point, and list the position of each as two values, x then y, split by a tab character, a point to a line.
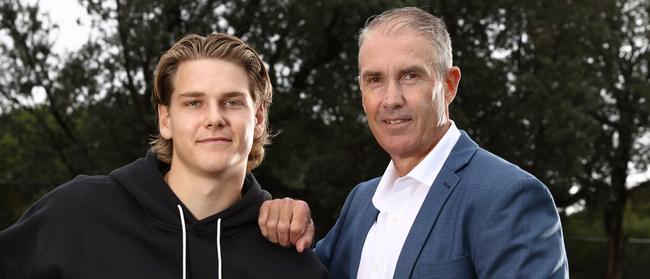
586	244
558	87
637	215
97	114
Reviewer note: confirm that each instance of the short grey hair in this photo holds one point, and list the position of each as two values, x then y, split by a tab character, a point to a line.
415	19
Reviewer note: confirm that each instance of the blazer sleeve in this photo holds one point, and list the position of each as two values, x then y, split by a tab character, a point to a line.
521	236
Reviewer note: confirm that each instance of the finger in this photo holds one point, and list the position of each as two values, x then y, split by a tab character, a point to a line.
307	239
263	217
284	222
301	219
272	221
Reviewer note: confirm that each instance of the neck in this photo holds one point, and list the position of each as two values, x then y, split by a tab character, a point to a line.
205	195
405	164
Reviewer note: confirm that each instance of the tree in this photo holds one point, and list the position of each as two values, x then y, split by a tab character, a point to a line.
621	65
29	71
315	108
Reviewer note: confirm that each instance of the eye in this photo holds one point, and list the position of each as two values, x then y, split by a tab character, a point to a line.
373	79
233	103
192	103
410	76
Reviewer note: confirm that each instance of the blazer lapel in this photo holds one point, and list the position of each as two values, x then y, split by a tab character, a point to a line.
368	216
440	190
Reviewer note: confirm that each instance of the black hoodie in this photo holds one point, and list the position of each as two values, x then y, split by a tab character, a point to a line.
129	224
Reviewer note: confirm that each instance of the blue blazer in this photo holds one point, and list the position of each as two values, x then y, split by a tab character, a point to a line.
482	218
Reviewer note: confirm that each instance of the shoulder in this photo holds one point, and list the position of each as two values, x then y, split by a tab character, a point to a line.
84	187
65	206
366	188
78	195
301	265
488	168
271	260
506	206
488	180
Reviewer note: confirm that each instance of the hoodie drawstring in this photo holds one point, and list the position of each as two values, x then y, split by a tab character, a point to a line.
180	213
219	245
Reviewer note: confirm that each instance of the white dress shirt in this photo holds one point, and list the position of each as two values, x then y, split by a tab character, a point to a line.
398	200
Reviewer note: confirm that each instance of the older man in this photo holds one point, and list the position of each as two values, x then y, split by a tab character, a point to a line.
444	208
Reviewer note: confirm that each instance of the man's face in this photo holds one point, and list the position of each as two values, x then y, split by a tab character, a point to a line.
398	85
212	118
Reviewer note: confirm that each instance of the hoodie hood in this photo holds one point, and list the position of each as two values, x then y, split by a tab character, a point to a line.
143	179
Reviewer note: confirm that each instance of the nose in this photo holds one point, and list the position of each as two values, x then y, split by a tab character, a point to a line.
393	96
214	118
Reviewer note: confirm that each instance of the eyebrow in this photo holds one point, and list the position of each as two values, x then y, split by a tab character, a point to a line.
234	94
414	68
196	94
370	74
190	94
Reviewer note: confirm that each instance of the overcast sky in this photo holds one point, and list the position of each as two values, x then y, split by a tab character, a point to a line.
67	14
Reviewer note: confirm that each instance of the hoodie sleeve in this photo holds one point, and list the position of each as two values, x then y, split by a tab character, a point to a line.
20	243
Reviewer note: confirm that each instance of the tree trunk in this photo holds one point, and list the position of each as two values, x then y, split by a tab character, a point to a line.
615	241
614	212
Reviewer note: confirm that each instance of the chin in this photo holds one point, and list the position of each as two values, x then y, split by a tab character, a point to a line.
396	144
213	169
223	166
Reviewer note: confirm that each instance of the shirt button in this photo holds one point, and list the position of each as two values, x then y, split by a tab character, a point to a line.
376	266
395	220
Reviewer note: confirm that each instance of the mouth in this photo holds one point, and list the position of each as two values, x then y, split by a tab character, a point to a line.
214	140
395	121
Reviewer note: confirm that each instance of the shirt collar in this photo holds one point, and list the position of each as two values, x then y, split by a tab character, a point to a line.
425	172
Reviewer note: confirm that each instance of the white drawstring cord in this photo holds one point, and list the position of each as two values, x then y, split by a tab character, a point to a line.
219	244
180	212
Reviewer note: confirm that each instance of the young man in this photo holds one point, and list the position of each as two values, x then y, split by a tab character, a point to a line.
444	207
189	208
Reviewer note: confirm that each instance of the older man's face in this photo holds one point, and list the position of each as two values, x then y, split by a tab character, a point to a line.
399	88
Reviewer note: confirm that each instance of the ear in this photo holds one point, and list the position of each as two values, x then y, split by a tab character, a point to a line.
451	84
260	121
163	122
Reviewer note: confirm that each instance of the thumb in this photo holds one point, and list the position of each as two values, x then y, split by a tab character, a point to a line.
307	239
